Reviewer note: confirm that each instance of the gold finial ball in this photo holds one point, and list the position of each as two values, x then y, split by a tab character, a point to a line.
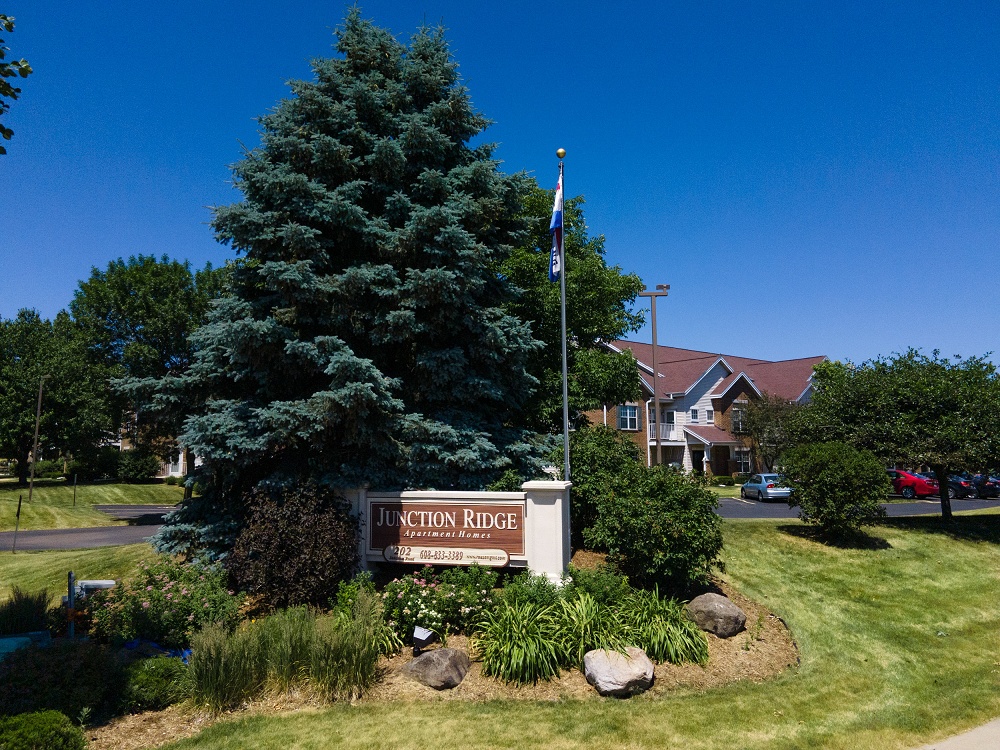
561	153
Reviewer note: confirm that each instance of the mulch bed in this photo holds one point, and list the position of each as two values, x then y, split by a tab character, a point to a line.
761	651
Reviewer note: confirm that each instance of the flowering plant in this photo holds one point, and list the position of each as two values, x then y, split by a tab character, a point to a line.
449	602
165	602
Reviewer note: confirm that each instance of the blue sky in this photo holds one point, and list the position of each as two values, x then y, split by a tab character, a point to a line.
810	178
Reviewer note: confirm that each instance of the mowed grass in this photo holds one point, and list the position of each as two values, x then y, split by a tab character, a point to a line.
52	506
33	571
900	645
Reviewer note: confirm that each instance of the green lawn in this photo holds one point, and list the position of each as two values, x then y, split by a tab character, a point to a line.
52	503
724	491
33	571
899	646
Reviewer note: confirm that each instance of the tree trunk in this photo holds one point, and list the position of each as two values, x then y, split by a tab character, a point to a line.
941	472
22	467
188	470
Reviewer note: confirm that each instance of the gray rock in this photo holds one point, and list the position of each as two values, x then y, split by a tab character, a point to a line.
441	669
714	613
620	675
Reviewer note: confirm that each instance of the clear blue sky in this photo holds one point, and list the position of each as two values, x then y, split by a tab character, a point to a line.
810	178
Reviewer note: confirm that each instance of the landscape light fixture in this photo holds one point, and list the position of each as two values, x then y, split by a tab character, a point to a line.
422	638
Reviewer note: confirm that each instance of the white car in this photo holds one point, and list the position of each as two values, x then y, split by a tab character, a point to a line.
765	487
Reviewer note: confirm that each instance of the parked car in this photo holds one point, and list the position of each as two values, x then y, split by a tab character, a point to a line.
958	488
986	486
964	488
765	487
911	485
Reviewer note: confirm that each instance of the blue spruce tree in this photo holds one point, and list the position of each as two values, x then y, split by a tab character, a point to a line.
364	337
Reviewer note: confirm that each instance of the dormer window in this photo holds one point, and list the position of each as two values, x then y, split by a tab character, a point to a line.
694	416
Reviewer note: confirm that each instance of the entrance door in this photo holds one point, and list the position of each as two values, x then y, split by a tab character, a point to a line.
698	461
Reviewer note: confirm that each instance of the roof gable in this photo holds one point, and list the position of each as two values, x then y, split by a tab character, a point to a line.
680	370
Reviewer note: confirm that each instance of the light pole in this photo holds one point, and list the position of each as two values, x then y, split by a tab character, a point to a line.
34	449
661	291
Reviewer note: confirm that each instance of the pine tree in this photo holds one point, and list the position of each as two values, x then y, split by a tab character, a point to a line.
364	337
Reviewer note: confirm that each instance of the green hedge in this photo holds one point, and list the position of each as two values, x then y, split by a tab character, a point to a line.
44	730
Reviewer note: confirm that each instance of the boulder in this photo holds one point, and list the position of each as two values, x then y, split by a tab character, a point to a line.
441	669
714	613
619	675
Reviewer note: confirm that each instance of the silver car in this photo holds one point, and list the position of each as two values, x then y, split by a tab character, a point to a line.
765	487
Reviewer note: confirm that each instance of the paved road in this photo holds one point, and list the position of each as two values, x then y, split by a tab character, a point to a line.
144	521
737	508
99	536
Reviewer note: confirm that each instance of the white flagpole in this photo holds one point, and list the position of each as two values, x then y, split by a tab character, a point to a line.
562	293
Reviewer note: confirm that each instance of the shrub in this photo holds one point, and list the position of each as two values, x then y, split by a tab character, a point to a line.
467	593
664	531
605	584
94	464
67	676
531	588
166	602
154	684
298	544
137	465
450	602
517	642
661	629
23	613
42	730
836	486
414	600
605	463
723	480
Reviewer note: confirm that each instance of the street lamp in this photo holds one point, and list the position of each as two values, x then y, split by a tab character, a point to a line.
34	450
661	291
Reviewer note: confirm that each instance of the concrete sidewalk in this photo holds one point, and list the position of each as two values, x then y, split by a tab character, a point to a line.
986	737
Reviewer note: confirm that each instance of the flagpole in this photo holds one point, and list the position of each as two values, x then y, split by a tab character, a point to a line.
561	153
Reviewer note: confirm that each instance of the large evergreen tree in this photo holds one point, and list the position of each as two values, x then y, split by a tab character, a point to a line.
365	337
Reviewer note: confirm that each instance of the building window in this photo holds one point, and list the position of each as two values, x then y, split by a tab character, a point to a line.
710	416
694	416
668	416
737	418
742	458
628	417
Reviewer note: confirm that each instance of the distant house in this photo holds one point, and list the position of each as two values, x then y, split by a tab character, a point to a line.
703	396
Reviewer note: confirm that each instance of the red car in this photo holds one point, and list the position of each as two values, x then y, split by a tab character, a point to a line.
911	485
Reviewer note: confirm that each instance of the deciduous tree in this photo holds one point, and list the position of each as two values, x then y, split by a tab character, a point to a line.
598	308
9	69
769	424
137	317
76	411
914	409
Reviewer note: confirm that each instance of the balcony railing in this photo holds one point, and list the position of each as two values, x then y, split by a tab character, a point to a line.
667	432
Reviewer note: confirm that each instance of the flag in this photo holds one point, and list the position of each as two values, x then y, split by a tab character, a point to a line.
556	229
